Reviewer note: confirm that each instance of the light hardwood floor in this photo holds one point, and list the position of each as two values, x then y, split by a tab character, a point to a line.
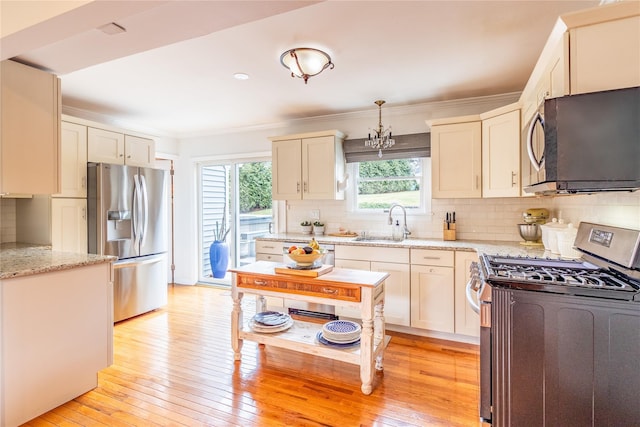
175	367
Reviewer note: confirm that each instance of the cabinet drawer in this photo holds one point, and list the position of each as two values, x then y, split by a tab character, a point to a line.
371	253
346	293
269	257
432	257
269	247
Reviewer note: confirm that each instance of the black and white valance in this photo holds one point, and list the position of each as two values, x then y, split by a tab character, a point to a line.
406	146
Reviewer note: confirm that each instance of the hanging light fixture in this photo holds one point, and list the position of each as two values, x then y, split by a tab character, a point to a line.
382	138
305	62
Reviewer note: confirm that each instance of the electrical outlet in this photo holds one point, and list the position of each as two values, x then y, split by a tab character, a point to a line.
314	213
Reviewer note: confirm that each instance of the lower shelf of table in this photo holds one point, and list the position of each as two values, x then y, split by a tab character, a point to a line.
302	337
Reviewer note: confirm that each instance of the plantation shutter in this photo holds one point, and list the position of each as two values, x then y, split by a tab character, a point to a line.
406	146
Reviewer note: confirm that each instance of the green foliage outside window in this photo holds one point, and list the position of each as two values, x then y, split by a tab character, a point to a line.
255	186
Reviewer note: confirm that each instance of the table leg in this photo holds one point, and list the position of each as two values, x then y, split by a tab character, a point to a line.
379	333
236	322
366	342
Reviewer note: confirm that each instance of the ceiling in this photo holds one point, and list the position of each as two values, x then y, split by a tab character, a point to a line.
171	72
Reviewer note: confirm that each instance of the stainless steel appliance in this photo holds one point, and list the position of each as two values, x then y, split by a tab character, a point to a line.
590	144
127	218
560	339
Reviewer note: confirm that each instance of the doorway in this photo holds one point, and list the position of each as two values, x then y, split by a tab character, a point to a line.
233	196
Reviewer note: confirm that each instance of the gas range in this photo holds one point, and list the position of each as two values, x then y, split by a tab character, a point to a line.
572	277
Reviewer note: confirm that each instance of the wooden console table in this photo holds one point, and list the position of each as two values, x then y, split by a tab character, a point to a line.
340	287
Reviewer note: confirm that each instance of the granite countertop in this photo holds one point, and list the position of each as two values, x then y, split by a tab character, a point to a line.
481	247
20	259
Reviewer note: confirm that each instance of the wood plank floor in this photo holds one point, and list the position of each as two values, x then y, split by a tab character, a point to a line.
175	367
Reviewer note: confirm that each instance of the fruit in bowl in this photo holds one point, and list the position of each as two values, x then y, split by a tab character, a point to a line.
305	256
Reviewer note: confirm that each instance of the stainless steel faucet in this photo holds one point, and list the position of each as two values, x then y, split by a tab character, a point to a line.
405	230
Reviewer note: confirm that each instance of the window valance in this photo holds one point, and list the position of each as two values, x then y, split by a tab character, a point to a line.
406	146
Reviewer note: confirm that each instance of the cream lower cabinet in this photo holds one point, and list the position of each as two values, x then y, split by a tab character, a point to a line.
394	261
432	290
69	225
456	158
467	321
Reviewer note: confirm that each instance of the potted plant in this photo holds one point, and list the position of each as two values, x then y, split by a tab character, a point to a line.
318	228
219	249
306	227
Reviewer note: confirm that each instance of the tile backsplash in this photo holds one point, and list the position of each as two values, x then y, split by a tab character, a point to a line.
7	220
476	219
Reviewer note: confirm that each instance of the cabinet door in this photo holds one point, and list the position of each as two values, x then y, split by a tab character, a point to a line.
30	131
139	151
605	56
501	155
467	321
456	160
74	161
318	168
69	225
104	146
397	292
287	170
432	298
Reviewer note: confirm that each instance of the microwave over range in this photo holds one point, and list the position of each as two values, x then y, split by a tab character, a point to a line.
591	143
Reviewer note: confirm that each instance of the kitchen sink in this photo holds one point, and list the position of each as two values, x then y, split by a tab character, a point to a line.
375	239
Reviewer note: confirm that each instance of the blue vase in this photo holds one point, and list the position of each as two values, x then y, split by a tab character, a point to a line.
219	258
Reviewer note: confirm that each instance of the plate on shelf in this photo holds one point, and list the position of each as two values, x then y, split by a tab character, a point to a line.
323	340
341	331
271	318
257	327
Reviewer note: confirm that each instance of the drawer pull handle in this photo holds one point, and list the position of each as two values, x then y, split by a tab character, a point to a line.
431	257
330	291
259	282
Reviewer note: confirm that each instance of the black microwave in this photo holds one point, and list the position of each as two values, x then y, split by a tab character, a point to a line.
591	143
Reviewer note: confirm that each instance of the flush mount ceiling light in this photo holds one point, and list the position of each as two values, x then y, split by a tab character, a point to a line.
382	137
305	62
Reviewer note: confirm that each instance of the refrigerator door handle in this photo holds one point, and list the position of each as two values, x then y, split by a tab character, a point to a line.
137	214
145	209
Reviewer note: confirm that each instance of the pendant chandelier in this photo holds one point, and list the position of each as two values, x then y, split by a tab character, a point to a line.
382	138
305	62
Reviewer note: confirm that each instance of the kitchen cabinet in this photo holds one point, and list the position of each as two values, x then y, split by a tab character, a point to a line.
308	166
73	170
501	152
456	157
467	321
605	55
105	146
394	261
432	290
57	333
69	225
30	132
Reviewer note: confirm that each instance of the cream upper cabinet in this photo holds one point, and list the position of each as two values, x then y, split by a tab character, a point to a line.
456	162
501	153
74	160
30	134
308	166
605	56
394	261
467	321
432	290
105	146
139	151
69	225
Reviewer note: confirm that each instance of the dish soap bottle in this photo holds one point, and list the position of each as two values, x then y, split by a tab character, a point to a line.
397	233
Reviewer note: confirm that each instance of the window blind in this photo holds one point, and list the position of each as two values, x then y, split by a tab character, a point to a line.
406	146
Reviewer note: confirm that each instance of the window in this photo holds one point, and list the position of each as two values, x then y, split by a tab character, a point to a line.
380	183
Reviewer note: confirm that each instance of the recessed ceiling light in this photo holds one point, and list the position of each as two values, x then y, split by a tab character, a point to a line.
241	76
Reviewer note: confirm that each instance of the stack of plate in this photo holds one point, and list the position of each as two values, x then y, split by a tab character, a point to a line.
340	333
270	321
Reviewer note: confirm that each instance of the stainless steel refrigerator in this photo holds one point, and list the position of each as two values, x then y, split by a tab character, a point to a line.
127	218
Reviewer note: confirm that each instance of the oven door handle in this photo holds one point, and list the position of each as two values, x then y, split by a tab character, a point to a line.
470	293
537	164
